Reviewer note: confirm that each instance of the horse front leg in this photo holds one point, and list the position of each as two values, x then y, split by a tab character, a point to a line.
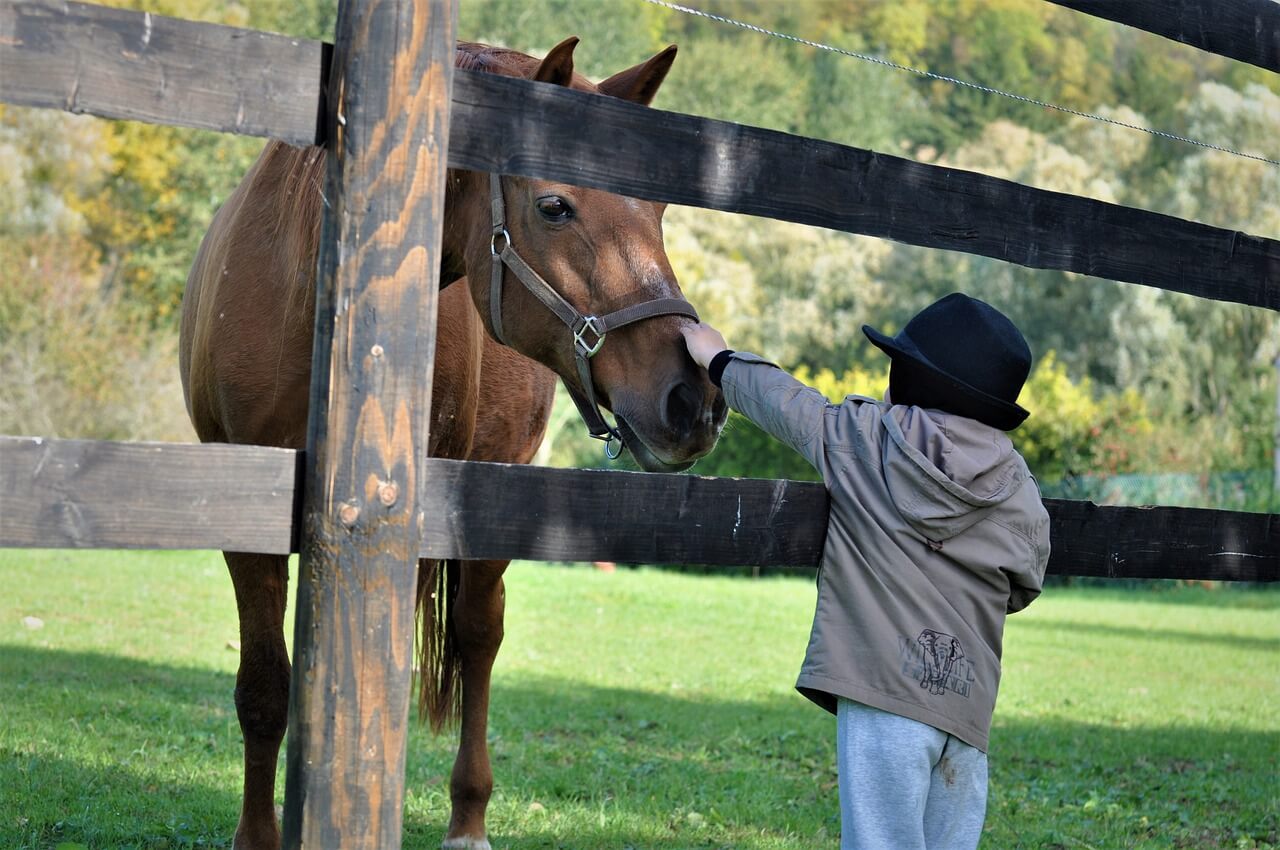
262	690
477	621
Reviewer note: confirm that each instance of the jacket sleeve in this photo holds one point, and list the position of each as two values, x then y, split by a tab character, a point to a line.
1025	585
776	402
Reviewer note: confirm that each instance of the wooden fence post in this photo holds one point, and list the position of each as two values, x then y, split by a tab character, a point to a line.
387	130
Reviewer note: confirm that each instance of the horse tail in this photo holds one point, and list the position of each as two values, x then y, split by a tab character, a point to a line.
439	658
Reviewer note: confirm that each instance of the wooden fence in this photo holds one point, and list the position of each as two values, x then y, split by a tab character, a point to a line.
358	554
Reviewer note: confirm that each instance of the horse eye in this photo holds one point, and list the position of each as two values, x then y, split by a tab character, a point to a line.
555	209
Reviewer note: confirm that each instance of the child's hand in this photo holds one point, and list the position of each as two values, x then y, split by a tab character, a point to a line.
704	342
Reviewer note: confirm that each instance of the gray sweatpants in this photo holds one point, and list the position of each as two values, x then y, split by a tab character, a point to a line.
905	785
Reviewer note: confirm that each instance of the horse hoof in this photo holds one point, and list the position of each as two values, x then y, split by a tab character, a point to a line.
465	843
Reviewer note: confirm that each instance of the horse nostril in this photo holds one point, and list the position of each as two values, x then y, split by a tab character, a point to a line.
684	403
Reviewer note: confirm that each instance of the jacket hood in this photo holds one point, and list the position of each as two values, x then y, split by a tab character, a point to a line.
945	473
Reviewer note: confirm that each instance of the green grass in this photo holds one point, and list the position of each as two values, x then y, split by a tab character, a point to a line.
642	709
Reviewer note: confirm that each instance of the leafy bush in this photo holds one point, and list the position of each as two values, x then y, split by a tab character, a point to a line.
75	364
1072	429
745	451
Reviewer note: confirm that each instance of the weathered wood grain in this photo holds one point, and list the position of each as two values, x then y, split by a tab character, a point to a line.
519	127
482	510
1163	542
487	510
87	494
116	63
388	113
1247	30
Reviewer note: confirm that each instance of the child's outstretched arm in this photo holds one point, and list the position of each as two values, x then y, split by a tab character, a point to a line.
776	402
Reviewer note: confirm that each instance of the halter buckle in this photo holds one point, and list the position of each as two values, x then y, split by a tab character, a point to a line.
580	342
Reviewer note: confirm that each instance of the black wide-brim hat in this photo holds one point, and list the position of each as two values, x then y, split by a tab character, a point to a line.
979	358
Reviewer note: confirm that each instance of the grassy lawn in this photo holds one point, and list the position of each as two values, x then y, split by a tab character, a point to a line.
641	709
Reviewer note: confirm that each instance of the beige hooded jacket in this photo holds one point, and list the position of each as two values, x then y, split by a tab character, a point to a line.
936	531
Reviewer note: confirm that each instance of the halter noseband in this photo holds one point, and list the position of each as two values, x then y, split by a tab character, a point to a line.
588	331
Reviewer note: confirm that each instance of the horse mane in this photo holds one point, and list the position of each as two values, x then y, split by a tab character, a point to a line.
304	167
474	56
294	176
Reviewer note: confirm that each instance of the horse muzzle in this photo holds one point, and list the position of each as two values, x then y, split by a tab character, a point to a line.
675	433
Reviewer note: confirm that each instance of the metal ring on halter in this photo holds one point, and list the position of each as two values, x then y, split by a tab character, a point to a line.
493	242
609	438
588	324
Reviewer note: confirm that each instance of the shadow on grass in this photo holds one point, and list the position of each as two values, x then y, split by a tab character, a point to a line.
766	769
1257	596
112	752
1065	784
1060	627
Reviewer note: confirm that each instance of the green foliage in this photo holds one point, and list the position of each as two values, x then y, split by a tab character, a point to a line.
799	293
719	79
147	213
745	451
76	363
148	216
607	731
859	104
615	35
898	31
1070	430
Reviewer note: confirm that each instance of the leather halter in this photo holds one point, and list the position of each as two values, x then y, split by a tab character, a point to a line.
588	332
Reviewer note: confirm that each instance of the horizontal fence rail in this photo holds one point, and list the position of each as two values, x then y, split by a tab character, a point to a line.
517	127
537	130
116	63
89	494
1247	30
486	510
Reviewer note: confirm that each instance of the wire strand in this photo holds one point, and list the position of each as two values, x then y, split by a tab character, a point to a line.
958	82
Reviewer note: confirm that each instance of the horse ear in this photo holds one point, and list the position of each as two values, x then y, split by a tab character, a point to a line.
640	84
557	66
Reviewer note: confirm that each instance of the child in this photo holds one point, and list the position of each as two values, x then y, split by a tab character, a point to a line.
936	531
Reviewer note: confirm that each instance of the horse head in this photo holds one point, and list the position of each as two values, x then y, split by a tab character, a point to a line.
551	265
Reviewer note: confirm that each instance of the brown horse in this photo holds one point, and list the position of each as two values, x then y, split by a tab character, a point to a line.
246	360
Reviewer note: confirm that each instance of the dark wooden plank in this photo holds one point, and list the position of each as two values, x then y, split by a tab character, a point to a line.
116	63
547	131
1163	542
1247	30
378	270
486	510
481	510
84	494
